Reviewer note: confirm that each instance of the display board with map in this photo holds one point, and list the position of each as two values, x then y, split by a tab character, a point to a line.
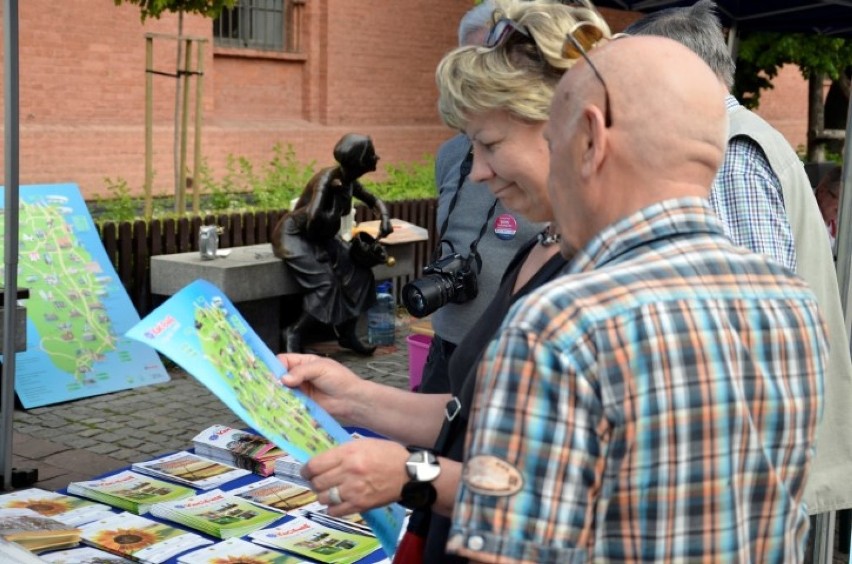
78	310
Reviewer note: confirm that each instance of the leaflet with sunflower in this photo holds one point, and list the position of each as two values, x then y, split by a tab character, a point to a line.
64	508
140	538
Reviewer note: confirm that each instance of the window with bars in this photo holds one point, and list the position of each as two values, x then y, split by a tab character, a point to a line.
267	25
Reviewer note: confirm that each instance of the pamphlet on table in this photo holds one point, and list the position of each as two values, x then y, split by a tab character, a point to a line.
140	538
130	491
201	330
190	469
64	508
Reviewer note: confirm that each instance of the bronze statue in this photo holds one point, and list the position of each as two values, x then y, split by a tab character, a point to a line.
337	289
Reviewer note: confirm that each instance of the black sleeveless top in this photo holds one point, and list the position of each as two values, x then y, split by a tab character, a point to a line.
462	373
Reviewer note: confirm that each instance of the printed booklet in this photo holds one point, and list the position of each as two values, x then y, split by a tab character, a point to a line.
217	513
240	448
64	508
235	551
140	538
36	532
308	538
201	330
190	469
130	491
279	494
83	555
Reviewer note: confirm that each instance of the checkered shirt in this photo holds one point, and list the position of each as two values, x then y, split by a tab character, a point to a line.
747	197
660	405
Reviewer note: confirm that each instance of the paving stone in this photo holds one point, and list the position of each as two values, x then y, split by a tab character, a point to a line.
34	447
80	442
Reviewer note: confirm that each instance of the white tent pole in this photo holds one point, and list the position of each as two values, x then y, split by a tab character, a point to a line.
10	235
844	223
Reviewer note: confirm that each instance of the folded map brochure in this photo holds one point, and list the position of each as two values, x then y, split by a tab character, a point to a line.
141	539
64	508
217	513
237	551
130	491
308	538
201	330
190	469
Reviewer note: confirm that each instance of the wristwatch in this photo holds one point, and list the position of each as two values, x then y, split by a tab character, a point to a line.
423	468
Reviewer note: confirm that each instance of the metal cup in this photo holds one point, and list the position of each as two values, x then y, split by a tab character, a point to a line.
208	241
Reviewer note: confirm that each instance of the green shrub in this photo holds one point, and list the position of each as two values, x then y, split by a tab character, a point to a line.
270	187
407	181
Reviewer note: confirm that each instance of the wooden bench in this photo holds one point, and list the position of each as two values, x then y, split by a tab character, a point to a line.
257	281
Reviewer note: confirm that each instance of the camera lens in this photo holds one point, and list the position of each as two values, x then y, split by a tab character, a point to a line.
424	295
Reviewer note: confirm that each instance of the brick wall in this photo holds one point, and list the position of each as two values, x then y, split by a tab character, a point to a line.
364	66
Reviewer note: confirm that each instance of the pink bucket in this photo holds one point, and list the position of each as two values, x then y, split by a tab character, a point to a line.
418	349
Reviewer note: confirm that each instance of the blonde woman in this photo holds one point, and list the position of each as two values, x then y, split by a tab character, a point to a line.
498	94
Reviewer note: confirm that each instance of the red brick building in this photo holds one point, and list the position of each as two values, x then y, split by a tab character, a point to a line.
331	67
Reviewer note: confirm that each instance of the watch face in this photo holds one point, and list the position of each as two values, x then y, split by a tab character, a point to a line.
422	466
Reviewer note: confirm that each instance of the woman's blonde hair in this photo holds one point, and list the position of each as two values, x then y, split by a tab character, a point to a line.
518	75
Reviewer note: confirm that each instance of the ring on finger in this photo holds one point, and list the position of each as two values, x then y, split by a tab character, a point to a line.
334	496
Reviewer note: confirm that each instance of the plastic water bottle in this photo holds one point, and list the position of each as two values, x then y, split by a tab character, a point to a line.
381	328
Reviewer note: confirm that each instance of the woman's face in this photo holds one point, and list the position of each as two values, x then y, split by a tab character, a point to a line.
511	157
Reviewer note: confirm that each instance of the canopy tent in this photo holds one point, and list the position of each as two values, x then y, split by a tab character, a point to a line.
829	17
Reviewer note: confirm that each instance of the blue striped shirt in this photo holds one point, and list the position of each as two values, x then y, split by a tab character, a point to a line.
747	197
658	405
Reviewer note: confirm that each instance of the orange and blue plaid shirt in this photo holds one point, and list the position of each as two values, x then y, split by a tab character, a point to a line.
658	404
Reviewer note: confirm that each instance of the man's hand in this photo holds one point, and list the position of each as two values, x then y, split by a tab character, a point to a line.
366	473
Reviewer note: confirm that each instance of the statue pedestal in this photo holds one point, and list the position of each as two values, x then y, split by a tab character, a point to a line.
257	282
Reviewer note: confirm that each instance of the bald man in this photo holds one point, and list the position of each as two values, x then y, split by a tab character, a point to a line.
659	402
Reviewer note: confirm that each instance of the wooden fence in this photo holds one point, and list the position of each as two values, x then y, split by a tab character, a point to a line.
130	245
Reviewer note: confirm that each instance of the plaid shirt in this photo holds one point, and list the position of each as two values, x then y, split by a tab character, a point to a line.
659	405
747	197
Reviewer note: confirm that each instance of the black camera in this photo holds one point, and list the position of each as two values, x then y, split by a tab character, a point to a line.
450	279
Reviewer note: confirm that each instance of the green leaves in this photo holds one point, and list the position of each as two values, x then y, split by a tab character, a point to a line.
155	8
761	54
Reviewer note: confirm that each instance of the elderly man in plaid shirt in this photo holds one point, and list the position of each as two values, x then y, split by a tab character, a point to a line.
659	402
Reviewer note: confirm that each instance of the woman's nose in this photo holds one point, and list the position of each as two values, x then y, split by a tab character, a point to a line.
480	171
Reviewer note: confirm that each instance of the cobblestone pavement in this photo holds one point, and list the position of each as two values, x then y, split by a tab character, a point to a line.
81	439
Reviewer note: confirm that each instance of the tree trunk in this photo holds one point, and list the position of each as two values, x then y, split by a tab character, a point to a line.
180	191
816	117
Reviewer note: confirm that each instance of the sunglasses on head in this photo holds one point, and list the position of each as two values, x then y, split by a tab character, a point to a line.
577	42
502	30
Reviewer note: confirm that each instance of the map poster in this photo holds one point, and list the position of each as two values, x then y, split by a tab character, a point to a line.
77	311
201	330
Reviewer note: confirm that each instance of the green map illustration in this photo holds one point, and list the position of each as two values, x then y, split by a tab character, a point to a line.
78	310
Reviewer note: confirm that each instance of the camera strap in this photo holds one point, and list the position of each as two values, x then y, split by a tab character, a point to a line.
464	171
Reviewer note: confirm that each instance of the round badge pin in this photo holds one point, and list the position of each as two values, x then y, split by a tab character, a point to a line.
505	227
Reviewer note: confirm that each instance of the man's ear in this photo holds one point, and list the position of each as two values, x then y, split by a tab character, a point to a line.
594	131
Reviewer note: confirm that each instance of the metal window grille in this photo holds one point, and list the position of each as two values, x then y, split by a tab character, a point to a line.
253	24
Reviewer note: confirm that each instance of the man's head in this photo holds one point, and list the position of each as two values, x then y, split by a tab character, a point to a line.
666	140
828	193
474	25
698	27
